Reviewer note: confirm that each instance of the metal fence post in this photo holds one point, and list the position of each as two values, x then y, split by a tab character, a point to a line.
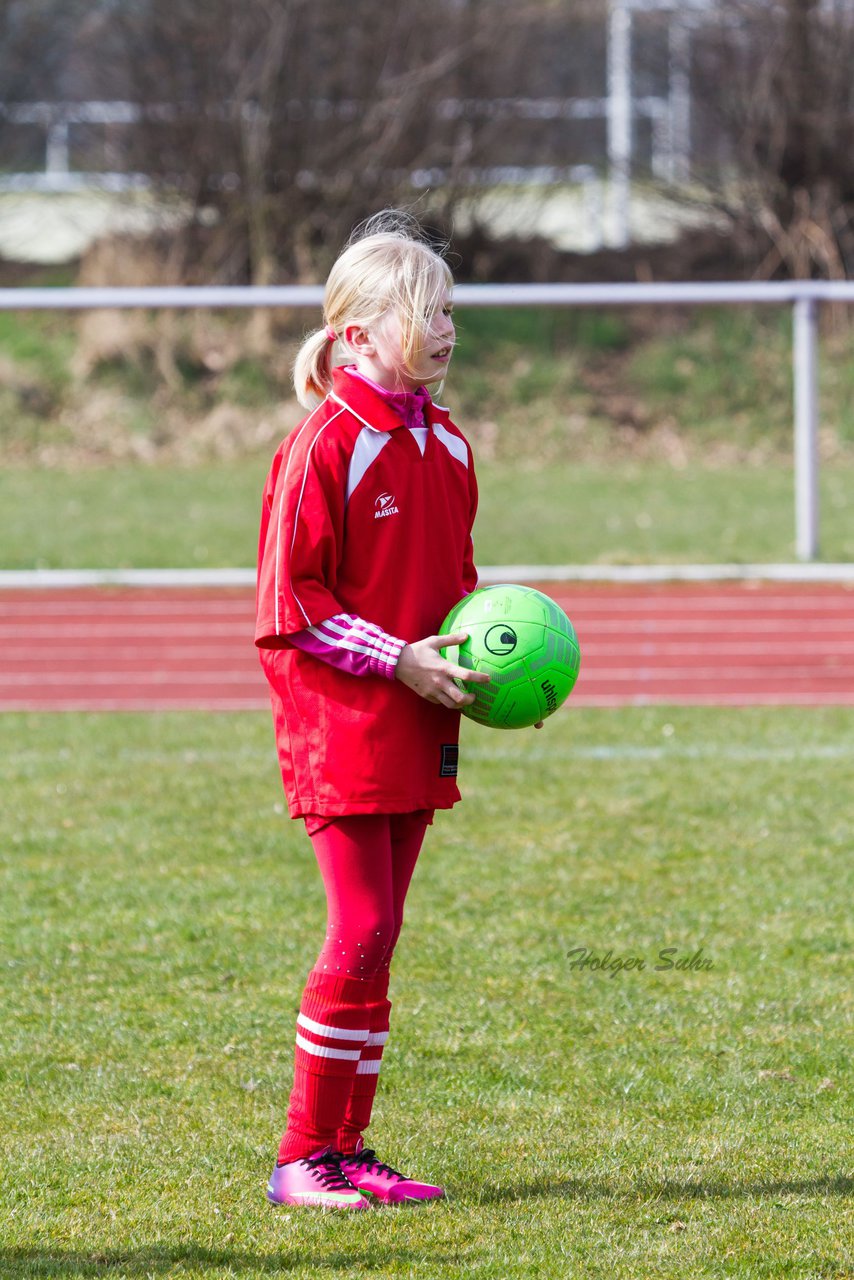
805	362
620	120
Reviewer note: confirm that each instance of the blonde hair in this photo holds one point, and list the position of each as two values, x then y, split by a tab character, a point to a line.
387	265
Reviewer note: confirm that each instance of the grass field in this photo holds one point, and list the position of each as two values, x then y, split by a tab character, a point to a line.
620	512
160	912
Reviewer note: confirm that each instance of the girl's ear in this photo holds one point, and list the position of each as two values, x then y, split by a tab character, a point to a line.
359	340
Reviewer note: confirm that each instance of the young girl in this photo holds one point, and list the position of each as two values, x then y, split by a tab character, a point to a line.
365	545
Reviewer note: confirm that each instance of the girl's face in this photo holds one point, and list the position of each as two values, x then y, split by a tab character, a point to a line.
385	363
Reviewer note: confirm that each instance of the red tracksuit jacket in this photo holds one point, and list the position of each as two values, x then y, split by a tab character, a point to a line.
355	519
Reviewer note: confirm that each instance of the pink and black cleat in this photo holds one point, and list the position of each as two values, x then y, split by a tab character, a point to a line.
315	1180
374	1178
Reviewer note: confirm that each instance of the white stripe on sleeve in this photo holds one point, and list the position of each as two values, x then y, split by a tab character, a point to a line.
344	631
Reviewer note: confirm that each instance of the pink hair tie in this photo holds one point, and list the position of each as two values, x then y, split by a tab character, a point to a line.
330	333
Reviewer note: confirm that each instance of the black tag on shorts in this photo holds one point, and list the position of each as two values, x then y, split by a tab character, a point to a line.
450	760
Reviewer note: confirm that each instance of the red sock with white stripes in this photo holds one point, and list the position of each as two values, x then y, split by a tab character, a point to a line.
332	1030
364	1086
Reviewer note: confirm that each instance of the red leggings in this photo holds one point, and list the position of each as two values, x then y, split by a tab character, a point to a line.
366	863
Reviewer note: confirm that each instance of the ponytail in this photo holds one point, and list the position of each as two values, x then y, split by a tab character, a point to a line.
313	368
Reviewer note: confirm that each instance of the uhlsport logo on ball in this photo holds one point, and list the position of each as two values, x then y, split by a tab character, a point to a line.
527	646
500	640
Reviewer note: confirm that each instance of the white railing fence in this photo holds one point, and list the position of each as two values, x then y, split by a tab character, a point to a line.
805	297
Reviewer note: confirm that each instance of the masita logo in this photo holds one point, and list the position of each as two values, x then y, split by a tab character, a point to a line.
384	504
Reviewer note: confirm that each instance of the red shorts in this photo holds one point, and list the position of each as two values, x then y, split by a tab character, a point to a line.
315	822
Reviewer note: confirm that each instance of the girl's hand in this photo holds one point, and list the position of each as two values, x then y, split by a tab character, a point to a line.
423	669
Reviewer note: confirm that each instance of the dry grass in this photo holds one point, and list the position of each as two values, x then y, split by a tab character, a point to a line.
532	389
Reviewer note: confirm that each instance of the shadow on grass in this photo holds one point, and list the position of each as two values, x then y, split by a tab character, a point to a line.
669	1189
161	1260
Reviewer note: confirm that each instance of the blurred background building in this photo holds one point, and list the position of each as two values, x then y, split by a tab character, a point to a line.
556	138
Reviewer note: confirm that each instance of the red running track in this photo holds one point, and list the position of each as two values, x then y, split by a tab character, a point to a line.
106	649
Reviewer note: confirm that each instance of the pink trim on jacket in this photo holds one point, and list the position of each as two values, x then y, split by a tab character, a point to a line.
350	644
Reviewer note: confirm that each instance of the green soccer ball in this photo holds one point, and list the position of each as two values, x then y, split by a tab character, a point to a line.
525	643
